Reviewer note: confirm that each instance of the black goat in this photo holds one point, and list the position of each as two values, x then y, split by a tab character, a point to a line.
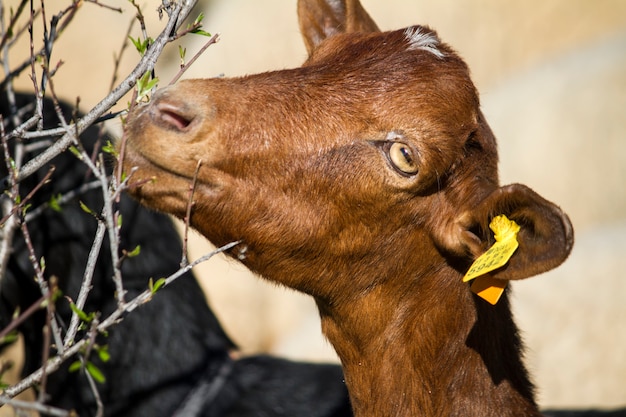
170	356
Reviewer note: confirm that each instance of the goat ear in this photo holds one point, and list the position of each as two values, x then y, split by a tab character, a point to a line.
545	238
320	19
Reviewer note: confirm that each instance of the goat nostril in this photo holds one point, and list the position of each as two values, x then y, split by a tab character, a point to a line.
172	116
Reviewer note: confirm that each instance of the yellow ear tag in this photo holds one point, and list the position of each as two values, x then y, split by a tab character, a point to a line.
505	232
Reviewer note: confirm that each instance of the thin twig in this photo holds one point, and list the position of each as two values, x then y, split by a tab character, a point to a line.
36	91
147	62
39	267
35	406
30	195
20	131
47	337
105	6
42	51
214	39
15	16
192	189
15	323
111	218
141	19
61	200
111	189
7	204
17	34
96	394
119	174
85	286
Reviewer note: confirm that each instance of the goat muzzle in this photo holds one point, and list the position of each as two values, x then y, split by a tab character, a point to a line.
171	113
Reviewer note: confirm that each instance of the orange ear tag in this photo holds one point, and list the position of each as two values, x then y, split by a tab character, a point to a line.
489	288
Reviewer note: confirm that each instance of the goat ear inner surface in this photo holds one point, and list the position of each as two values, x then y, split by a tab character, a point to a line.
320	19
545	238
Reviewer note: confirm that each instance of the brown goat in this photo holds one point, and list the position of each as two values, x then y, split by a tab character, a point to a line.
366	178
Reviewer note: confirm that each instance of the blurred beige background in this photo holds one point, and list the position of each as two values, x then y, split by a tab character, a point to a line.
552	75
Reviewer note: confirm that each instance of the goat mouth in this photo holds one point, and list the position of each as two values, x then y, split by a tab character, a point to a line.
134	158
150	168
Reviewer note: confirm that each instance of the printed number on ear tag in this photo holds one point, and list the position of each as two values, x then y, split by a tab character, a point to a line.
505	232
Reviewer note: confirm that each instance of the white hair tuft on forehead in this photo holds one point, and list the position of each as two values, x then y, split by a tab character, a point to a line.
419	38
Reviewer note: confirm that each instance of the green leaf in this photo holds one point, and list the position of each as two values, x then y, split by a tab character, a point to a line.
81	314
57	294
95	372
199	19
152	84
86	209
76	152
75	366
103	353
199	31
145	84
9	338
110	149
141	46
182	52
25	208
54	204
134	252
155	286
119	220
197	26
136	42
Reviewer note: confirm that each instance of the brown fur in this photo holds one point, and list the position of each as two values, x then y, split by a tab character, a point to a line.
296	165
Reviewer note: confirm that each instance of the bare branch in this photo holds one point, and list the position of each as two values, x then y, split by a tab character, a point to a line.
105	6
214	39
54	363
61	200
6	32
192	189
86	284
37	305
112	223
34	406
109	222
39	266
178	13
26	199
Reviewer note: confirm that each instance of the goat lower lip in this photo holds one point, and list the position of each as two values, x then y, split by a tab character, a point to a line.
135	158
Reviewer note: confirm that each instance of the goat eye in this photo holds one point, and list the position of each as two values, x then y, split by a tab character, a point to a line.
402	158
